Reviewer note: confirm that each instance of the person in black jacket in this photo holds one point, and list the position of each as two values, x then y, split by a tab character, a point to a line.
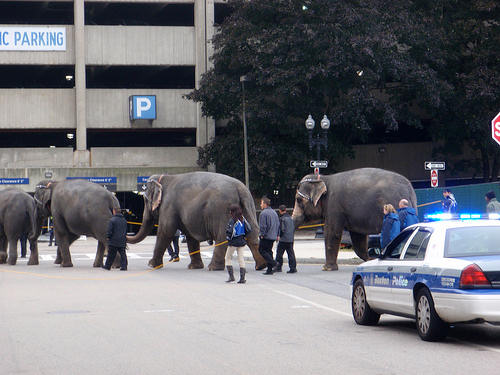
117	240
287	229
236	229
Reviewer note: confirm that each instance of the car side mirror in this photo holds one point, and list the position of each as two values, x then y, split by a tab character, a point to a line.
374	252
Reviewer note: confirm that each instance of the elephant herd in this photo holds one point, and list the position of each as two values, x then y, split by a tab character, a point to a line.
197	204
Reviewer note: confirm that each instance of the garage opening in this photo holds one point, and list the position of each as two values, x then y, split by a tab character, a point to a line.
141	138
36	12
37	76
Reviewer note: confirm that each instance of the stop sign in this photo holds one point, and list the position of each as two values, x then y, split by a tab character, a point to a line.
495	128
434	178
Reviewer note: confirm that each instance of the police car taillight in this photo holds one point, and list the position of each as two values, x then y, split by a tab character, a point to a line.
473	277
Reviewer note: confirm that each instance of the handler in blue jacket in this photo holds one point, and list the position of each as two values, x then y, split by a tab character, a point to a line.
390	226
407	215
117	240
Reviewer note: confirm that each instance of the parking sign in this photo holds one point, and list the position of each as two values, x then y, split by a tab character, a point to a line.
142	107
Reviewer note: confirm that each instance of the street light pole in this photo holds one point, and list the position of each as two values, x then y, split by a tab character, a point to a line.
245	145
319	140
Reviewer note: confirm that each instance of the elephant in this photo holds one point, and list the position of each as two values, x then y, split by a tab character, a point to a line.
18	216
196	203
78	207
351	200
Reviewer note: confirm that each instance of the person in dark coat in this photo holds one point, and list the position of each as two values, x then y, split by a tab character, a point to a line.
117	240
236	230
174	253
390	226
269	225
407	215
287	229
51	232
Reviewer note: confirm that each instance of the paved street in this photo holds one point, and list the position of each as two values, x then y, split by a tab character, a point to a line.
83	320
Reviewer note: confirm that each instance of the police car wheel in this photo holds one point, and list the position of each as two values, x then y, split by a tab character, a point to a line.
430	327
361	311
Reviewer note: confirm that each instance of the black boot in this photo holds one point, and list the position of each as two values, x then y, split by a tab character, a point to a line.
231	274
242	276
269	271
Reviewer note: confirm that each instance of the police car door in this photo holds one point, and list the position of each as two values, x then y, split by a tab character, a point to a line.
379	295
409	270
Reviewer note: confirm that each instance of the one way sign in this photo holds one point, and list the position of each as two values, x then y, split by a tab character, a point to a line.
438	165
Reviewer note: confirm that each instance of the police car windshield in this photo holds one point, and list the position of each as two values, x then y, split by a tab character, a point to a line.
472	241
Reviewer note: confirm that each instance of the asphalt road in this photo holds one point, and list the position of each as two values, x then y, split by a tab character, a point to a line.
83	320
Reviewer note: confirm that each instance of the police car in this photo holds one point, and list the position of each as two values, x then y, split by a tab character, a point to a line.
438	273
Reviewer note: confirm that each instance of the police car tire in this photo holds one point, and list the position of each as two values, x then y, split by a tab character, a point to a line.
430	327
361	311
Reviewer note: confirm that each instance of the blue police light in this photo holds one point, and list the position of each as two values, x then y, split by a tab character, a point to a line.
493	216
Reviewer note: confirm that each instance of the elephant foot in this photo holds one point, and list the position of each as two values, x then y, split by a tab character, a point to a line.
330	267
98	263
66	264
216	267
3	258
260	266
33	262
12	261
58	261
153	263
195	266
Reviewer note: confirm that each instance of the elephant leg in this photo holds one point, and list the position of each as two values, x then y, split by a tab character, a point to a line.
333	236
63	243
99	255
12	259
217	263
33	261
194	253
260	263
160	246
3	249
360	244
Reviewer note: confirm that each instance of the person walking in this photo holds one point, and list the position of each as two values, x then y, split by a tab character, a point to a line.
22	240
174	253
390	225
269	224
285	243
236	230
407	215
449	202
51	232
117	240
492	205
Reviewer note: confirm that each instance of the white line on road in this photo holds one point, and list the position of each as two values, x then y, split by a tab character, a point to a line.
312	303
158	311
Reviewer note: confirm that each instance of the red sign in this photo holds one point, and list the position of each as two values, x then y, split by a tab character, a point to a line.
316	171
434	178
495	128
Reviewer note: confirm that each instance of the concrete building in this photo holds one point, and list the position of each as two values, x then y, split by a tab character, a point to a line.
95	88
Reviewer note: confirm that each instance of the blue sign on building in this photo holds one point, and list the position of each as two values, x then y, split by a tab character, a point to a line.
14	181
141	183
107	182
142	107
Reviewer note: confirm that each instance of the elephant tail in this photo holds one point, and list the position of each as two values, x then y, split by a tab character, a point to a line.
248	206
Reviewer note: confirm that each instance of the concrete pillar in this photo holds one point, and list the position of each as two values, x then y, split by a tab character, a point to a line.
82	156
204	29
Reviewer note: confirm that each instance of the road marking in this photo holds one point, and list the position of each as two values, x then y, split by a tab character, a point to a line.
301	307
91	256
312	303
158	311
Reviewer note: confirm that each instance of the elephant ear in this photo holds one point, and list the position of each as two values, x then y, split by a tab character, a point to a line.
318	188
157	194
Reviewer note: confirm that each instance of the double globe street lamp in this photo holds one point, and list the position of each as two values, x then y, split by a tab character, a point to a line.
319	140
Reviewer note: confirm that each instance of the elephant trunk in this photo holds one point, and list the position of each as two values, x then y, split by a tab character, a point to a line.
146	227
297	215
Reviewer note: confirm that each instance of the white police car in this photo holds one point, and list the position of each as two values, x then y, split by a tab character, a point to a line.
437	273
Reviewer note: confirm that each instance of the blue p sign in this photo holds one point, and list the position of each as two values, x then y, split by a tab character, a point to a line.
142	107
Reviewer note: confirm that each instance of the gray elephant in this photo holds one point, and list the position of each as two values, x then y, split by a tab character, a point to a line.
18	216
197	203
352	200
78	208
